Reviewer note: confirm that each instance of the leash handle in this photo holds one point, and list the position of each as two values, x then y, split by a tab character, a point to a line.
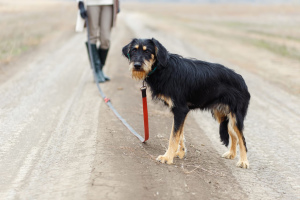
145	111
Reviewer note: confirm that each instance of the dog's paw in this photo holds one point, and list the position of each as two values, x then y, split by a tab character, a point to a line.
165	159
243	164
180	154
229	155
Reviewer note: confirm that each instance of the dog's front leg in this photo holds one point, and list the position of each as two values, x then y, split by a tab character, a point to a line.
181	152
176	135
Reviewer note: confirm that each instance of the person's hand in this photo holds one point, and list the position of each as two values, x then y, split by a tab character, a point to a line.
82	10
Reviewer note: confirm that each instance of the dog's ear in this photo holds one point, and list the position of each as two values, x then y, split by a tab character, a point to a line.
162	54
125	50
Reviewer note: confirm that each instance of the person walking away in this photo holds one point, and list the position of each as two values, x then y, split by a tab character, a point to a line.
101	18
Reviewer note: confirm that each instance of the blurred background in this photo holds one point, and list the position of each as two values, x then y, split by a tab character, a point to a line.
58	139
261	35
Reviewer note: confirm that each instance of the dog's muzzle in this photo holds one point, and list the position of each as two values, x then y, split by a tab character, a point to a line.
137	65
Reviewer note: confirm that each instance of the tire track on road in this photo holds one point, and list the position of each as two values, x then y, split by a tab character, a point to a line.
50	155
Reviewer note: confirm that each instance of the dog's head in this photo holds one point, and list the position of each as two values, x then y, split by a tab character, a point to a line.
142	54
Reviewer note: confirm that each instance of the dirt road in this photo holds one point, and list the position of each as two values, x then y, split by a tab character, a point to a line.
58	139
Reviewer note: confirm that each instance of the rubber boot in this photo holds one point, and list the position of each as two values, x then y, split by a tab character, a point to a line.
97	63
103	55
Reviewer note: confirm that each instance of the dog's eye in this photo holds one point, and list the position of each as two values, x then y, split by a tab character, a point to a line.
134	50
147	51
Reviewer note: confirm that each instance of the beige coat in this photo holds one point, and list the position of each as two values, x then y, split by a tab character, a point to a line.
116	10
80	22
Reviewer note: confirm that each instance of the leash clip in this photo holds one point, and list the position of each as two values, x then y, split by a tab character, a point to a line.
144	87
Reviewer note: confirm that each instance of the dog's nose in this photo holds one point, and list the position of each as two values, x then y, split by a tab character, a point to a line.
137	65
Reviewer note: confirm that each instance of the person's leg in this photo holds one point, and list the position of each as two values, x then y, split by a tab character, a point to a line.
93	13
105	31
105	26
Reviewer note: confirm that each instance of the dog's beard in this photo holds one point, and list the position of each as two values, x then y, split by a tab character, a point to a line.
138	75
142	73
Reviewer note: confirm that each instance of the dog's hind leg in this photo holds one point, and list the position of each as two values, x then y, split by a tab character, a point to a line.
243	161
226	129
221	117
231	154
176	135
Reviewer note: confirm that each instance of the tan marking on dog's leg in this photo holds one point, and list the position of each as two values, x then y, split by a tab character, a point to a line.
167	100
181	151
231	154
243	162
219	116
173	146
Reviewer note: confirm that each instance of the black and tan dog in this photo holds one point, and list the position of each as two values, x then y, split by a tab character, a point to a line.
186	84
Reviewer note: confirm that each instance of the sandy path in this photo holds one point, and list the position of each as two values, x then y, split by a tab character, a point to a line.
48	126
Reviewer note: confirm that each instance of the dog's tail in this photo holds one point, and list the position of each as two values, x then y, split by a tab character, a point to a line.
224	136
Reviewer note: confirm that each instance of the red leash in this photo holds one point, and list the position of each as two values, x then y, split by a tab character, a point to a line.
145	111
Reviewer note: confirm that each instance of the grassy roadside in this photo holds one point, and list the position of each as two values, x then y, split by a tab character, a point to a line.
280	49
263	36
26	24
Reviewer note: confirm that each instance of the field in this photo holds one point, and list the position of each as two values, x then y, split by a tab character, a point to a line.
28	24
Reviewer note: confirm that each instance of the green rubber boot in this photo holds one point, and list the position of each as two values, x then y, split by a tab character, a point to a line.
97	63
103	55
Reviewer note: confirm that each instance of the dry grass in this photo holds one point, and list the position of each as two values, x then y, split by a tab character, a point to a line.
26	23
